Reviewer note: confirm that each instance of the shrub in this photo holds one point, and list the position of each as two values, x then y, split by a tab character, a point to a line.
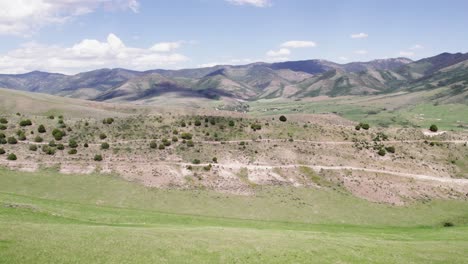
358	127
11	156
3	127
448	224
98	157
175	139
433	128
167	143
38	139
255	127
2	151
207	168
108	121
390	149
231	123
2	135
190	143
22	137
175	132
51	117
41	129
186	136
161	146
283	118
32	147
3	141
86	145
12	140
72	143
3	121
48	150
382	152
25	122
197	123
72	151
105	145
183	124
102	136
60	147
58	134
153	144
215	160
52	143
364	126
196	161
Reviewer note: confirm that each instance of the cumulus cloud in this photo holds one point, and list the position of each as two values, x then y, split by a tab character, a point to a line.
361	52
278	53
257	3
166	46
298	44
407	53
359	35
24	17
88	54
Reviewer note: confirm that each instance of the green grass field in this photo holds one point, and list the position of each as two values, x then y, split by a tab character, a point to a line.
47	217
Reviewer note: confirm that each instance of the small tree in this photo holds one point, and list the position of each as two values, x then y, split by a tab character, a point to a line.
98	157
197	123
365	126
3	127
433	128
2	151
11	156
86	145
161	146
382	152
215	160
153	144
102	136
38	139
41	129
231	123
72	151
60	147
358	127
3	120
175	139
32	147
283	118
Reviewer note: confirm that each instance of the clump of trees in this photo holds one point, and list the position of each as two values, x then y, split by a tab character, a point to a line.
364	126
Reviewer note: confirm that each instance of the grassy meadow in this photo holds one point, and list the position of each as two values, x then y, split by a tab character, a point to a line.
47	217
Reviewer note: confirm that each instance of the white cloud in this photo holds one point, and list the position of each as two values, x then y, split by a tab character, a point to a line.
343	58
407	53
278	53
359	35
166	46
361	52
298	44
24	17
416	47
257	3
88	54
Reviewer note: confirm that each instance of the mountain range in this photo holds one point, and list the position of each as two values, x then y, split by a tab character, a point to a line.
291	79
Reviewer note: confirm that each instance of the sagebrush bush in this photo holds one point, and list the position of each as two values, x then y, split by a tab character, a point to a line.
11	156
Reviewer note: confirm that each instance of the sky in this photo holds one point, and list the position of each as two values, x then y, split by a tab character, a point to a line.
71	36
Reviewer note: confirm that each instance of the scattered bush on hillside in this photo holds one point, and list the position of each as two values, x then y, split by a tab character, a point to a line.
48	150
12	140
3	127
51	117
41	129
364	126
283	118
72	151
98	157
11	156
196	161
161	146
108	121
256	127
3	120
58	134
2	151
197	123
32	147
175	139
105	145
38	139
382	152
60	147
2	135
153	144
186	136
72	143
102	136
433	128
448	224
215	160
22	136
25	122
207	168
86	145
390	149
231	123
190	143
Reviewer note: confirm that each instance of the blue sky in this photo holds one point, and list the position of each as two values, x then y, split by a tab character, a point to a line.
70	36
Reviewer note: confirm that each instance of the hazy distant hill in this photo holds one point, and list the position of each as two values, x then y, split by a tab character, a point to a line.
292	79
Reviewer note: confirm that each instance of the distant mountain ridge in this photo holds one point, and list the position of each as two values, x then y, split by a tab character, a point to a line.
290	79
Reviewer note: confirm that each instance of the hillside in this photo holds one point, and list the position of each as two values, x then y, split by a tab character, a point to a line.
292	79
